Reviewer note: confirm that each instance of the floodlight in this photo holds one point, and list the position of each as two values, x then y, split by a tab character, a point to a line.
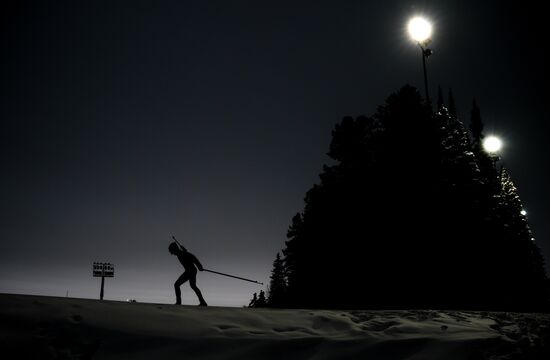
420	29
492	144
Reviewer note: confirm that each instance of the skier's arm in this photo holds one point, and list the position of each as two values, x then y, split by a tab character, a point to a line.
197	262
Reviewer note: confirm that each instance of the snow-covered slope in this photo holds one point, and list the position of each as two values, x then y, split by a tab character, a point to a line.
37	327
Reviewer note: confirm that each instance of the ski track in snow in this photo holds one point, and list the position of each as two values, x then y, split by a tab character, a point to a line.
37	327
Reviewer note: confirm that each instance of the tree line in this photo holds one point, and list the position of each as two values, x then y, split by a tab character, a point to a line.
413	214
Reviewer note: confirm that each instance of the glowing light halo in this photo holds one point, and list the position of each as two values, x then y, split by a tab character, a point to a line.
492	144
419	29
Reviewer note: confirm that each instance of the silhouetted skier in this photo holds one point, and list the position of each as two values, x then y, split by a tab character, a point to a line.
190	264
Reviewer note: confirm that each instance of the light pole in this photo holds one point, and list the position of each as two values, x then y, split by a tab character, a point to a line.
420	31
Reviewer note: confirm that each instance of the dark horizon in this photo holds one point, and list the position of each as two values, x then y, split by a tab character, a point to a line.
124	124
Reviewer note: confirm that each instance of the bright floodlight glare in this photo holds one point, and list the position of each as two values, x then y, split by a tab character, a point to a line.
523	212
419	29
492	144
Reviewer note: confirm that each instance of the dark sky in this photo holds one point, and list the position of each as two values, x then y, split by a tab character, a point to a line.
126	122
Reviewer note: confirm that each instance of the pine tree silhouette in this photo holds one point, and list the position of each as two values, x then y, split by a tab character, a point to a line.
526	272
486	161
452	107
261	302
293	253
253	301
440	100
277	284
476	125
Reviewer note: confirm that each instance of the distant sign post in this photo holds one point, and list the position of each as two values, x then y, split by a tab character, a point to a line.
103	270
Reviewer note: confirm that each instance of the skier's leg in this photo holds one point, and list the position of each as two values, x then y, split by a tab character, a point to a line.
193	283
183	278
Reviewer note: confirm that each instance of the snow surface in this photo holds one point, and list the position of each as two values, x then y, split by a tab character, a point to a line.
38	327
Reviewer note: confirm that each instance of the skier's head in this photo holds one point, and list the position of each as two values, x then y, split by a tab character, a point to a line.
173	248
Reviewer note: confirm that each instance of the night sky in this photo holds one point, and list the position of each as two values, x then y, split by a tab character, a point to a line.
126	122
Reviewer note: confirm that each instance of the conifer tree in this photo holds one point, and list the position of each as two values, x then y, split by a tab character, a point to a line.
476	125
293	252
440	100
365	184
486	162
452	106
277	284
528	269
459	191
261	302
253	301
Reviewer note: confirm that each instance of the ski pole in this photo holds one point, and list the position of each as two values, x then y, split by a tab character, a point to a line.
233	276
